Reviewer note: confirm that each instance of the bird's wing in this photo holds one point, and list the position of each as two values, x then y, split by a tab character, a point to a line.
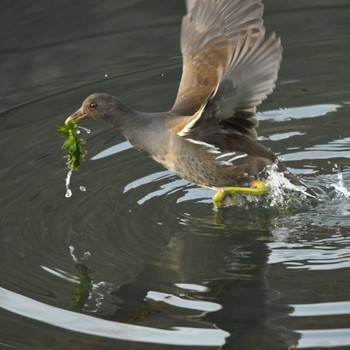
208	36
189	5
246	83
228	67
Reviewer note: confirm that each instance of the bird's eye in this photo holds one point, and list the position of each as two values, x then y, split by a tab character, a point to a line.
92	105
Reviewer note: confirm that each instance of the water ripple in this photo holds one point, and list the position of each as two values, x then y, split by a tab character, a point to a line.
321	309
324	338
302	112
310	257
200	305
72	321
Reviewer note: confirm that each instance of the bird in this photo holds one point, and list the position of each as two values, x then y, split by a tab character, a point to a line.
209	137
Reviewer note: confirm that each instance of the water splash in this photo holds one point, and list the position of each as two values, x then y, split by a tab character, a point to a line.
67	182
339	186
85	256
282	192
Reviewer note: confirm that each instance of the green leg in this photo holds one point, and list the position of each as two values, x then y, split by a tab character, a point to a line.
258	188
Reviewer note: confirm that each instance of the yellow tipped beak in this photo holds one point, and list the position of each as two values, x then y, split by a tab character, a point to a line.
69	119
76	116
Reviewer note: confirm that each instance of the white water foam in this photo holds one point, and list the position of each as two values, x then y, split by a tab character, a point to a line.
282	191
339	186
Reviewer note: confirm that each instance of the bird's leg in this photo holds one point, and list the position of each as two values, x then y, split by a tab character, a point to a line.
258	188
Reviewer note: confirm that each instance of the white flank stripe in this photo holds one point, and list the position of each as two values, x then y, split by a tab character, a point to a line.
223	162
186	130
237	157
224	155
201	143
211	148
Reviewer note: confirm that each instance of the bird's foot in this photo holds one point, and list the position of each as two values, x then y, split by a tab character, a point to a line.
258	188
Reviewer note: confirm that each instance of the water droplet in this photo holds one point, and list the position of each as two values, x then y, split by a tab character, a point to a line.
82	188
88	131
71	251
67	182
86	255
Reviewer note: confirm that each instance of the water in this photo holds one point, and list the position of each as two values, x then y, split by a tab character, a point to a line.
140	260
67	183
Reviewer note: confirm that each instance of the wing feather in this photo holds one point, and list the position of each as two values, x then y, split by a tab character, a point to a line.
208	37
229	67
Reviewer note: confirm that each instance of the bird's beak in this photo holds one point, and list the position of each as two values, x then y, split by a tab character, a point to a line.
76	116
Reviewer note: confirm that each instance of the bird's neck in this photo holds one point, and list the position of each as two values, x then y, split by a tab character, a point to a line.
145	131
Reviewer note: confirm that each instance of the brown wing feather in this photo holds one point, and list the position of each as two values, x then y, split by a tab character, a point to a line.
202	72
208	37
228	66
251	75
246	83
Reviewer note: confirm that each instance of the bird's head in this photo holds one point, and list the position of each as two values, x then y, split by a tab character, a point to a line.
98	106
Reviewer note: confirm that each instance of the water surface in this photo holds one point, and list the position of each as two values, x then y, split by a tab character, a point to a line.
140	260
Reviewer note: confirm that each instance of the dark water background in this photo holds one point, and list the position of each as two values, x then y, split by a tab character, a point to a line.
140	260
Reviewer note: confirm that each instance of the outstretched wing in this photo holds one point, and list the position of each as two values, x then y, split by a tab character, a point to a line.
228	66
208	36
249	79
